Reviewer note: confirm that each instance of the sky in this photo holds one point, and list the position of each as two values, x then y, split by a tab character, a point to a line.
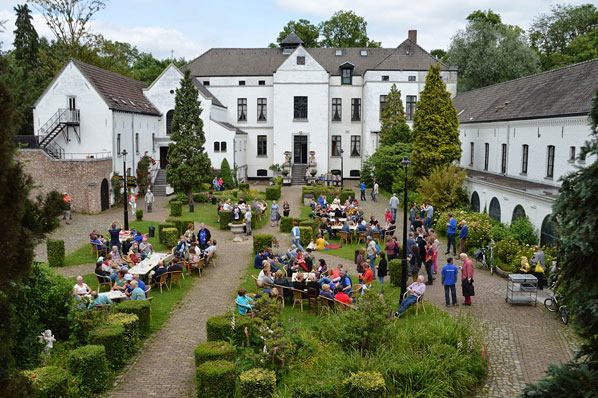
189	27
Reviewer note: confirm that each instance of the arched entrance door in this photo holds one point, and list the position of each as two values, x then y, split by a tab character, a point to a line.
494	210
105	195
548	232
475	202
518	212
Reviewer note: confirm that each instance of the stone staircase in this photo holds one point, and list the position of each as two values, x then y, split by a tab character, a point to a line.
159	188
298	174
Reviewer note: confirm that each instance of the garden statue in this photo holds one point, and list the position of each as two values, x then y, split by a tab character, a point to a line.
312	158
48	339
287	158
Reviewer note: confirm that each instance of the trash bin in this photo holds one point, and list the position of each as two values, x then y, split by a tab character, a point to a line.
191	207
152	231
213	200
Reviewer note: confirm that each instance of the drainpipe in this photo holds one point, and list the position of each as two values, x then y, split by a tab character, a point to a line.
133	149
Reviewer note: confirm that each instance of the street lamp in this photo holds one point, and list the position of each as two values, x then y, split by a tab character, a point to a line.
405	164
342	168
125	199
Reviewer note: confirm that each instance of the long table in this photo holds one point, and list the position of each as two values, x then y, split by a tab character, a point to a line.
145	266
115	295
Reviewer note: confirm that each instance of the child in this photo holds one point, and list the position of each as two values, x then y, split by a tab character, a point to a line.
449	277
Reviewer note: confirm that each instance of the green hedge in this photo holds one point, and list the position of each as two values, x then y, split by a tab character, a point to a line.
139	214
365	384
273	192
216	379
305	235
112	337
226	217
176	208
161	227
219	328
345	193
479	225
394	268
257	383
90	366
55	250
49	381
261	241
316	388
131	324
313	224
171	237
330	192
214	350
286	224
201	197
244	186
142	309
180	224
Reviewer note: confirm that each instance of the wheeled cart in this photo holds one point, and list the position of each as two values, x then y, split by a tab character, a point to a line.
522	289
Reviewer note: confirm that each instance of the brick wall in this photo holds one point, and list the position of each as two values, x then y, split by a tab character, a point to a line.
81	179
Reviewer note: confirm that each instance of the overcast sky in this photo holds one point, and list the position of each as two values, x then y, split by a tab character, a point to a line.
191	27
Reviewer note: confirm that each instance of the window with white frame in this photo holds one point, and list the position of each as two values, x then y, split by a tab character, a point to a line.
336	145
261	109
242	109
355	145
336	109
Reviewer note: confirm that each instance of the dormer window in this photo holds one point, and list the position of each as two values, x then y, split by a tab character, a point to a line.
347	75
339	53
287	51
300	60
385	78
364	53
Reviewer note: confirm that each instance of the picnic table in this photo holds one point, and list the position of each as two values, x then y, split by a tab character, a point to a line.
309	275
340	227
115	295
148	264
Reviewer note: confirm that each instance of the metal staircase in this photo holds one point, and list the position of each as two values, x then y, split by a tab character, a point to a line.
159	188
56	125
298	174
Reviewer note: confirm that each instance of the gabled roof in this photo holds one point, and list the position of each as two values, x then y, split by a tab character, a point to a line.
230	127
291	39
566	91
409	56
207	93
119	92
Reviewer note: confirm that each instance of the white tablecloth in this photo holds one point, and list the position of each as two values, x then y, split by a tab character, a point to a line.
144	267
115	295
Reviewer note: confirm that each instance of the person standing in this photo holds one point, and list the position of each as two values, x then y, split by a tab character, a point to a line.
362	189
274	213
451	232
449	279
68	215
539	266
429	217
382	269
429	261
393	203
296	236
220	184
248	220
286	208
372	251
463	232
149	200
115	234
203	236
133	202
467	278
376	189
412	215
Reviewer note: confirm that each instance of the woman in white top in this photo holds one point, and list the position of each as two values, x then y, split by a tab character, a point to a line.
81	288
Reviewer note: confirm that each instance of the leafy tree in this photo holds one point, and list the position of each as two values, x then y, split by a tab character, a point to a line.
386	162
394	127
577	277
485	16
26	42
306	31
439	54
189	164
346	29
147	68
226	175
435	132
489	52
444	187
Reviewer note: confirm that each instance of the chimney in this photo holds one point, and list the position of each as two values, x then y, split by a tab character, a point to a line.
413	36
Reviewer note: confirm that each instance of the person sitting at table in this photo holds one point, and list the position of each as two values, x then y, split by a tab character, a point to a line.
387	217
373	221
244	302
140	283
390	230
342	296
193	261
98	299
321	244
313	284
137	293
138	237
346	228
299	283
104	275
155	275
120	282
210	251
361	227
300	261
145	248
116	258
134	255
81	288
326	226
309	259
281	280
181	247
345	283
367	276
258	261
176	265
322	269
190	233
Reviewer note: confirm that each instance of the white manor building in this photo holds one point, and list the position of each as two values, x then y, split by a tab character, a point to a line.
312	103
518	138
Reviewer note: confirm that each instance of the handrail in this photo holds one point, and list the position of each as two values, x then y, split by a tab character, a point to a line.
63	115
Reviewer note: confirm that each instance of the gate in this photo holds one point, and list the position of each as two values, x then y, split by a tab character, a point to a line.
105	195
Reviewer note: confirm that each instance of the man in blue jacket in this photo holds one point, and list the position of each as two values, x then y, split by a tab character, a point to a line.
362	189
451	232
463	232
449	278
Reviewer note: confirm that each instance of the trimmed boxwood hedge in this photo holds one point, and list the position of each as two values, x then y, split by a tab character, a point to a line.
316	388
201	197
180	224
273	192
219	328
257	383
131	324
365	384
286	224
345	193
243	186
48	381
216	379
142	309
261	241
55	250
161	227
171	237
305	235
226	217
90	366
112	337
394	269
214	350
176	208
139	214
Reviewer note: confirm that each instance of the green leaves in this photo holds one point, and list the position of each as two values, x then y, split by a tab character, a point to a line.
394	127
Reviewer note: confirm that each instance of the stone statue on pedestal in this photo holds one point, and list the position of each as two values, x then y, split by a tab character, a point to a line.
287	158
312	158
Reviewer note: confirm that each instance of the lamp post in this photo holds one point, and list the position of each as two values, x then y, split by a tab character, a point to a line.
125	199
342	168
405	164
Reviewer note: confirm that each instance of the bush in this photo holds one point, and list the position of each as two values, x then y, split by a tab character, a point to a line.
305	235
316	388
499	231
171	237
226	217
112	337
180	224
219	328
216	379
139	214
83	322
90	366
261	241
214	350
161	228
176	208
394	268
444	188
131	324
257	382
365	384
479	225
49	381
201	197
345	193
226	175
507	254
523	230
142	309
55	250
181	197
273	192
286	224
244	186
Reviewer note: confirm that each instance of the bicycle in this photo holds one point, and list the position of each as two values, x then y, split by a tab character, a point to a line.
553	304
485	256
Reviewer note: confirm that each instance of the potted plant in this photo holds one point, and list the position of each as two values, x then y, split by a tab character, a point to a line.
314	172
285	172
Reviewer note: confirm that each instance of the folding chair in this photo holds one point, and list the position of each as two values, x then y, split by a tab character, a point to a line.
420	301
361	236
345	237
326	304
376	237
175	276
298	297
103	280
162	281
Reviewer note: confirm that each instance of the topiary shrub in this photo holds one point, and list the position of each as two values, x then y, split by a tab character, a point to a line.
214	350
48	381
226	217
286	224
307	191
142	309
365	385
261	241
180	224
131	324
171	237
394	268
139	214
176	208
112	337
220	328
90	366
257	382
244	186
216	379
181	197
305	235
226	175
161	227
55	250
273	192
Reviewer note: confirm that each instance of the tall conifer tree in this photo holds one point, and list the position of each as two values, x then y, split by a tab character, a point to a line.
394	126
26	43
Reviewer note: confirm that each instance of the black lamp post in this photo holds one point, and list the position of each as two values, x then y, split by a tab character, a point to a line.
126	193
405	164
342	168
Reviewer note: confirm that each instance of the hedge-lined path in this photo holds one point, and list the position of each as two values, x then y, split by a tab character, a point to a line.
164	367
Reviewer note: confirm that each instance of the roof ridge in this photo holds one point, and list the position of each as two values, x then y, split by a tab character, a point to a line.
108	71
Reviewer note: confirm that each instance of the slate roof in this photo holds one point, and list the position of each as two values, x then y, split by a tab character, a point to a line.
566	91
265	61
120	93
229	126
291	38
207	93
548	191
